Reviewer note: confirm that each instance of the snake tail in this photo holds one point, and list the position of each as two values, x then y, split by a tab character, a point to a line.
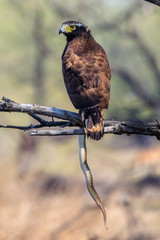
88	176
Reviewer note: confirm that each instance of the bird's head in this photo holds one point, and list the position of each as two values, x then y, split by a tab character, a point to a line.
72	29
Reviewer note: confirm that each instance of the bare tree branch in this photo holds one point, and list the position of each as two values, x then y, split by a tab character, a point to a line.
61	124
156	2
10	106
74	119
114	127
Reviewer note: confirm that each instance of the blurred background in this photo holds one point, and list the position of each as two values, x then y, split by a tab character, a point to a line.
42	188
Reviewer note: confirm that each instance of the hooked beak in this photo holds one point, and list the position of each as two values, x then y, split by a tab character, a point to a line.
61	30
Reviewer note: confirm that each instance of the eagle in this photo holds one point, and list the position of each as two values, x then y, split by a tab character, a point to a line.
87	75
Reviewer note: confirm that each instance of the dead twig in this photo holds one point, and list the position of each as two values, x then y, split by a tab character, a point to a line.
156	2
72	120
111	127
10	106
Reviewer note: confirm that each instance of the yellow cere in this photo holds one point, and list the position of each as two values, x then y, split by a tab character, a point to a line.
69	28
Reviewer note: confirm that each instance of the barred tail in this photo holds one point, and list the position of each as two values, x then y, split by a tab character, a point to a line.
94	123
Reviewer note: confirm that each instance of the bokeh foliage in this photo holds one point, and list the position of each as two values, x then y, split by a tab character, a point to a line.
42	189
31	49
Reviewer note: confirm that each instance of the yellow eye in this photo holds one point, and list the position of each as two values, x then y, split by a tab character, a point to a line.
73	28
68	28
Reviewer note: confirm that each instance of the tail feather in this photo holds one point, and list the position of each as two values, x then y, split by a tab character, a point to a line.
94	123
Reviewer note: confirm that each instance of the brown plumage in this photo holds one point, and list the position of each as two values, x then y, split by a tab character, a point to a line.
86	75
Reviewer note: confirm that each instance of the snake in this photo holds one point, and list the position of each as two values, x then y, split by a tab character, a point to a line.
88	176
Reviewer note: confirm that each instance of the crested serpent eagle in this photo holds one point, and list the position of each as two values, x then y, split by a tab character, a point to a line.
87	75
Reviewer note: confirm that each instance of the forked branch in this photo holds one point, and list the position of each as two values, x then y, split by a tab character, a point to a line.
70	120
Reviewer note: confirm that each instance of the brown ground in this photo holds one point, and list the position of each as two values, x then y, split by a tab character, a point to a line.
51	202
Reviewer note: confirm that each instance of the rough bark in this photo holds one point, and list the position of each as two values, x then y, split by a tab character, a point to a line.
111	127
156	2
73	120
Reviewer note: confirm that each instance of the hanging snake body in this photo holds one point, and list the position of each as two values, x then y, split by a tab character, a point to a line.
88	176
